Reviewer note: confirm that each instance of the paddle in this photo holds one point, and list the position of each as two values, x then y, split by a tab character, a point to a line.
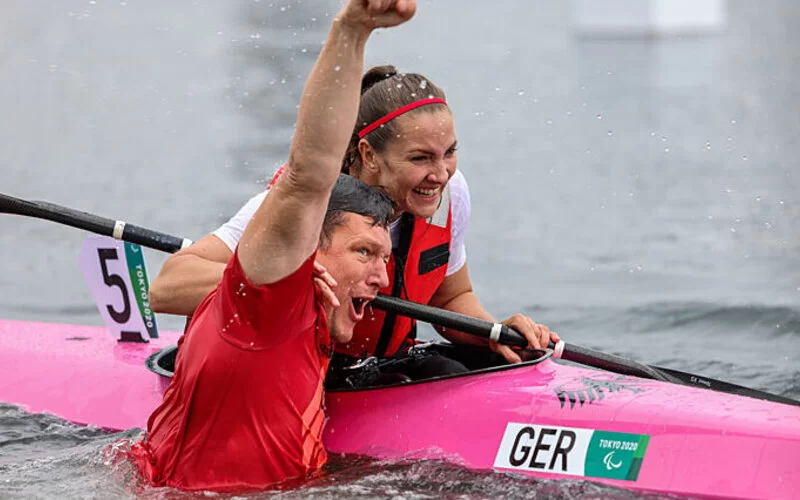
509	336
494	331
562	350
94	224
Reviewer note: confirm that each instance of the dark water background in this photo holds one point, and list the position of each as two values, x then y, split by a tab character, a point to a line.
640	196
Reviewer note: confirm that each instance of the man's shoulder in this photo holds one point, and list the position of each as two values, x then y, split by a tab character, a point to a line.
257	317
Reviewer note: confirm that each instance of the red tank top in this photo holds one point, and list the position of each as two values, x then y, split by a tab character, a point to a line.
245	406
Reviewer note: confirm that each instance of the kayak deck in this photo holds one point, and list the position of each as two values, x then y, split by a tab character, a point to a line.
79	373
544	419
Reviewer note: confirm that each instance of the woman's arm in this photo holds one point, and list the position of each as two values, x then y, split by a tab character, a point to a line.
188	276
455	294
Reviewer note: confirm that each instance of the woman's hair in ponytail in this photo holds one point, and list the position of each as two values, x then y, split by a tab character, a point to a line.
375	75
384	90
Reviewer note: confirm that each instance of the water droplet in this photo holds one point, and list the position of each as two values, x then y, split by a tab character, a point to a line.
599	117
666	150
610	133
497	89
521	92
733	122
708	146
337	68
744	157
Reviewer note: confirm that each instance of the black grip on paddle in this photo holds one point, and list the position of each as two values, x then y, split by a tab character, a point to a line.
151	239
509	336
447	319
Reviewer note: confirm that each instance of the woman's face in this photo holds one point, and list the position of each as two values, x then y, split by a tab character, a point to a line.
416	166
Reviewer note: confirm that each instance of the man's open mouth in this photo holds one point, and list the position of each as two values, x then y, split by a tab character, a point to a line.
358	306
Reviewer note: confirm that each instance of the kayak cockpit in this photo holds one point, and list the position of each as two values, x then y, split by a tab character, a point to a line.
478	360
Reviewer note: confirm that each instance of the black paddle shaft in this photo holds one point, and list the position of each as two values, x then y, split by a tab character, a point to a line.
569	352
509	336
611	362
448	319
90	222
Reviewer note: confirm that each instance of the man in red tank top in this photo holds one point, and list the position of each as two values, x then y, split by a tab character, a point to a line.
244	407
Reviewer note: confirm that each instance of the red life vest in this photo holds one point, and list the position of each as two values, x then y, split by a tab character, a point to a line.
425	249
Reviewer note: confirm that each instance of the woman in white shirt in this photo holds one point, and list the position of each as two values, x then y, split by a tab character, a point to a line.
404	143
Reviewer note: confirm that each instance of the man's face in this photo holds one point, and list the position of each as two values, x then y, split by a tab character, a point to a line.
356	257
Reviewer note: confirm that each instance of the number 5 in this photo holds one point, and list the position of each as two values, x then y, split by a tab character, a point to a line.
115	280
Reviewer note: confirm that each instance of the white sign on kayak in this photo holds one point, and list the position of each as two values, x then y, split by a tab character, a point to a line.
117	278
571	450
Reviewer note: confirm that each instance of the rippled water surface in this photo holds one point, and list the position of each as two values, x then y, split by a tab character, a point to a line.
640	196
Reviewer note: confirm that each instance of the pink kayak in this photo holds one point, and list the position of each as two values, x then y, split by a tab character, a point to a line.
542	418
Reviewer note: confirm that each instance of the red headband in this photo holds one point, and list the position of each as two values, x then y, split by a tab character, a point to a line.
394	114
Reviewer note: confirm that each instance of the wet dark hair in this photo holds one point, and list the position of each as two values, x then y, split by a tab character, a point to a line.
384	90
354	196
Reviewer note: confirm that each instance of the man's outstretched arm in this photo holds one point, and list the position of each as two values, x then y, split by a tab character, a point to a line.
285	229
